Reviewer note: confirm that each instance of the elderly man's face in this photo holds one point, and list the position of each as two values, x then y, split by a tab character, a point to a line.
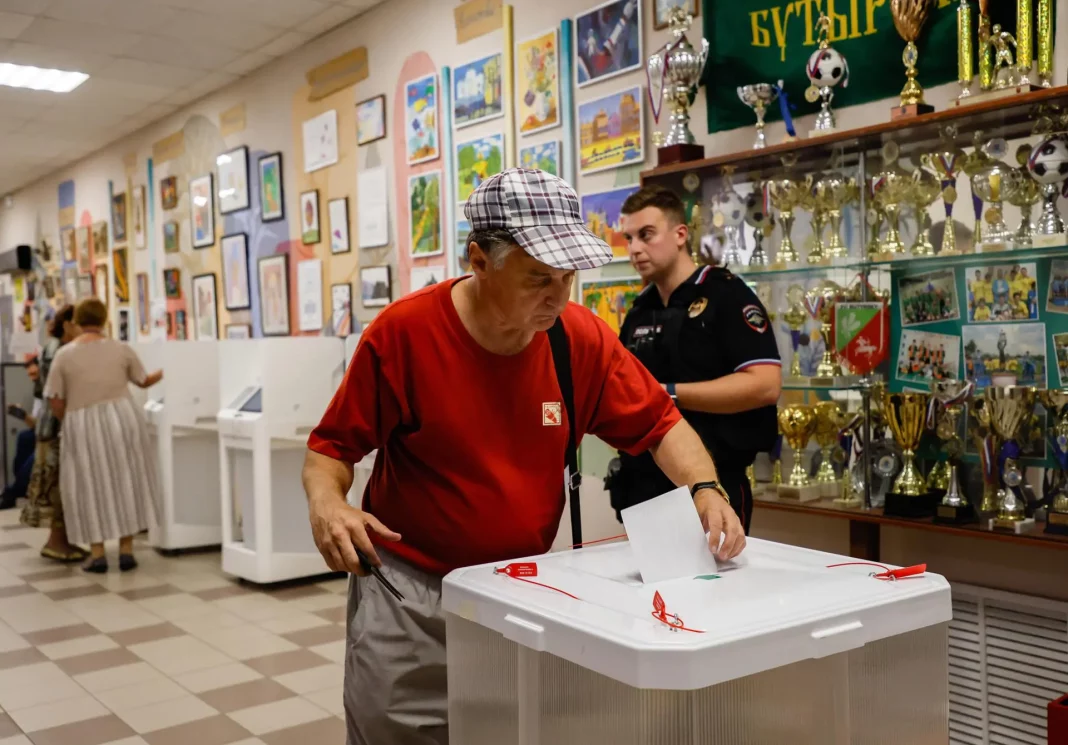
33	371
528	294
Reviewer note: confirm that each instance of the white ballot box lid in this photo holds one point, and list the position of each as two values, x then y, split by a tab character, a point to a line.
773	606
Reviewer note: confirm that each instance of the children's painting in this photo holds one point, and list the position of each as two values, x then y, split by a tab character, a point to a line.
341	309
424	216
202	198
611	131
370	120
610	299
538	83
601	213
463	230
122	275
170	237
476	161
608	41
236	292
545	156
272	204
1005	354
476	90
421	119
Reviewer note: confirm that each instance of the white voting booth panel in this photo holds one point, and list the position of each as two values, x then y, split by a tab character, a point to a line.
181	411
273	392
783	650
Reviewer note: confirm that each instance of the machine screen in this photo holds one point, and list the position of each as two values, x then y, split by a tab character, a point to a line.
254	404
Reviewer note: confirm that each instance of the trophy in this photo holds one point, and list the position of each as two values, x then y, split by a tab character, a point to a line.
925	190
673	71
817	220
906	415
819	301
890	188
1026	196
1044	29
947	405
794	317
994	183
964	49
758	217
729	214
788	194
909	18
758	97
826	68
1055	482
995	52
830	419
832	192
875	219
797	423
1048	165
973	163
1008	407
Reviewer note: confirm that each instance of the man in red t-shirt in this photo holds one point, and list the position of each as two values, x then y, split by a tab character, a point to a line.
455	387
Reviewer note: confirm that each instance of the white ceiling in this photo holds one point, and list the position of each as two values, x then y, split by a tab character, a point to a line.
145	59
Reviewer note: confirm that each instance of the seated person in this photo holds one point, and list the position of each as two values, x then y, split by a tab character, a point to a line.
25	441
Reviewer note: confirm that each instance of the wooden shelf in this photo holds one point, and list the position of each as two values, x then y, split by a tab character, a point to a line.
1009	117
827	508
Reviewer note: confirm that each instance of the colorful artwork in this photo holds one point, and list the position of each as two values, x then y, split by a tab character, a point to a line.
100	283
172	284
538	83
662	11
601	213
69	245
272	201
205	308
376	286
1002	292
100	241
424	216
463	230
232	167
122	275
118	217
236	292
202	201
320	141
309	218
544	156
274	294
341	309
168	192
142	302
81	249
1056	295
611	131
170	237
421	119
610	299
138	228
476	161
124	324
925	356
338	211
181	332
370	120
930	297
476	90
1005	354
608	41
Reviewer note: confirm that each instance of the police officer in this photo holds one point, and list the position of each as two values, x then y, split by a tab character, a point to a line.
706	338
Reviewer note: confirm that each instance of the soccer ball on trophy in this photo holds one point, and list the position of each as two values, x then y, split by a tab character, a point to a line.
1048	165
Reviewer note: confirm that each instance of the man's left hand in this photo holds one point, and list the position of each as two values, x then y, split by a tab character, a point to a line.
719	519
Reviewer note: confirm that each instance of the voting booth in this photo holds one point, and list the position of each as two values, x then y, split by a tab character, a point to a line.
776	648
273	392
181	411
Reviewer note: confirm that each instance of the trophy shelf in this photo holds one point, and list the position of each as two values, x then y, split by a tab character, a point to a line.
1009	117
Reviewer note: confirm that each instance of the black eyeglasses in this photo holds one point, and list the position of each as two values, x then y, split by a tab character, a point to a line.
365	563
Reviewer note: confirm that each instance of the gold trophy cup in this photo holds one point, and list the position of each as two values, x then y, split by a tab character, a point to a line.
906	415
950	396
829	422
1055	483
788	194
890	188
819	301
794	316
925	191
909	18
797	422
832	192
1009	408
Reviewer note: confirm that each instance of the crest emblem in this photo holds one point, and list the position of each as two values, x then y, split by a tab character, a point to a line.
697	307
550	414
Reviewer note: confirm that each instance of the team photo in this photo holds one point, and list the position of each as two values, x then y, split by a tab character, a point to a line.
1004	292
930	297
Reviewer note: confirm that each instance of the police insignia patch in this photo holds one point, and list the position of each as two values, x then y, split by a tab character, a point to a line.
755	318
697	307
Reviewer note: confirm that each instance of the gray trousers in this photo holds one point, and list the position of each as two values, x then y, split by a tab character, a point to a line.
395	678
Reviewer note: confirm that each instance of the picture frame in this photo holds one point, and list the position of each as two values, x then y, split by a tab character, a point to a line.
421	277
272	191
310	295
142	302
422	139
608	298
320	141
68	246
594	27
309	218
202	210
81	250
121	276
170	237
237	292
537	77
205	308
371	120
341	309
137	214
601	213
476	160
172	284
543	156
625	149
232	170
238	331
118	217
100	284
338	212
181	327
84	286
273	275
123	322
376	286
662	11
477	91
424	215
99	241
168	192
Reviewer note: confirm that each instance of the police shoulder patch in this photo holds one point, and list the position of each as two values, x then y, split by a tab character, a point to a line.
755	318
697	307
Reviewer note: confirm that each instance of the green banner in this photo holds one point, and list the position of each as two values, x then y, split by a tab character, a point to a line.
763	41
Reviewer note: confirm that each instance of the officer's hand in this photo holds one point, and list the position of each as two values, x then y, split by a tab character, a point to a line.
719	519
340	529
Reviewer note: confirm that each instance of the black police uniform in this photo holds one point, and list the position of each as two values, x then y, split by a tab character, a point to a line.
713	325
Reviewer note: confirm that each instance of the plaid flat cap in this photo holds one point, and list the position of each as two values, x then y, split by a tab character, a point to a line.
542	213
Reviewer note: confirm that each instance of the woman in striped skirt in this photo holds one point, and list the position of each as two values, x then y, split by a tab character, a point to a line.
107	465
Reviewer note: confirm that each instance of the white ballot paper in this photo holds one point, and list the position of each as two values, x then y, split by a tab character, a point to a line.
667	538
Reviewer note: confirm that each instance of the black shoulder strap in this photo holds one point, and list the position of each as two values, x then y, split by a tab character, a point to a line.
562	361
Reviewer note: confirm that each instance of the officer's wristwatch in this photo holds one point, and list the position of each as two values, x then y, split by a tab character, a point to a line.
713	485
670	388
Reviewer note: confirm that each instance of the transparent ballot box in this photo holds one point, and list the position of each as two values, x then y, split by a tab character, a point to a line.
776	648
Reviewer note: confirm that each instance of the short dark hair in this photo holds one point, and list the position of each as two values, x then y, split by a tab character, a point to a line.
91	312
494	242
63	316
657	196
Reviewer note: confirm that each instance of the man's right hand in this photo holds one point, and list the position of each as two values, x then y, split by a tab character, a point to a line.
340	529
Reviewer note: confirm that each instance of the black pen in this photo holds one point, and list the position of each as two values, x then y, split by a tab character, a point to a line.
365	563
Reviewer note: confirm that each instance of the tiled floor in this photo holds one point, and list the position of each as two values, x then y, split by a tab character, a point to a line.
173	653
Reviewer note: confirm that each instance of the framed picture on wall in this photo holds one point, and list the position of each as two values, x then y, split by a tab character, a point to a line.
142	302
137	211
662	11
341	309
424	214
236	292
477	160
272	198
172	284
181	331
205	308
545	156
376	286
232	167
274	294
627	146
371	120
338	211
170	237
476	91
100	283
202	207
309	218
168	192
310	295
124	324
421	119
538	82
68	245
608	41
238	331
84	287
81	250
118	217
122	275
100	240
320	141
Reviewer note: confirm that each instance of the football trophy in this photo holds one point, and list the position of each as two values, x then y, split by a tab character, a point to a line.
826	69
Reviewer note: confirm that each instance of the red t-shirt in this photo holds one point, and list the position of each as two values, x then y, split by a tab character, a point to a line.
470	465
